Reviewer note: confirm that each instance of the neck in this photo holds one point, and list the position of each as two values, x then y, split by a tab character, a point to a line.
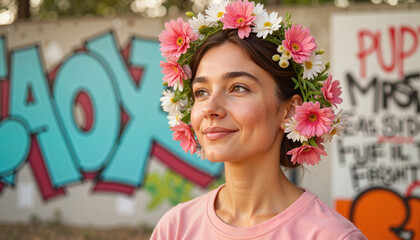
256	190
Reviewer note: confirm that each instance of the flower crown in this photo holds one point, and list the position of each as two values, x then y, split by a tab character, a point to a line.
313	123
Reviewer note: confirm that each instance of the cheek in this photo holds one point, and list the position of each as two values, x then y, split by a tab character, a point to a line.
247	115
195	118
250	113
258	118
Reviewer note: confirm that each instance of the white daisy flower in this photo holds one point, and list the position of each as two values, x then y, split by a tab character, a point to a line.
168	103
312	66
174	118
286	54
340	120
284	63
339	123
179	86
280	49
215	11
200	152
336	129
199	22
266	24
258	9
294	134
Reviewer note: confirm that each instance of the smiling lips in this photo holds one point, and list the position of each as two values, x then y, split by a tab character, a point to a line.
216	133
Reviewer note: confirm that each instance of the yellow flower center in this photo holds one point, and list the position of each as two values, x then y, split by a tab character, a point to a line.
220	14
202	26
333	132
284	64
173	100
308	65
267	24
313	118
240	20
176	69
296	46
306	149
179	41
287	53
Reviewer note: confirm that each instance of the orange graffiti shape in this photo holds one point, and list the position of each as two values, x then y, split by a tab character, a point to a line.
413	223
380	213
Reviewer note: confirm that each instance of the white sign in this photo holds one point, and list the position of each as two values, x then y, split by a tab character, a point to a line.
376	56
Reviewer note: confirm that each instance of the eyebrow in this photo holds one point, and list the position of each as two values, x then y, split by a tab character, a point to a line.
226	76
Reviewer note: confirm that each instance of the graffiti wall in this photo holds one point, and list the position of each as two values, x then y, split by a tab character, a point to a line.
93	115
376	172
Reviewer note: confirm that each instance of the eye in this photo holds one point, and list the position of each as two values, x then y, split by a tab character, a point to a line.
237	88
199	93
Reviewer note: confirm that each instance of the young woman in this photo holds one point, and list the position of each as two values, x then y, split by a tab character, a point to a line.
234	93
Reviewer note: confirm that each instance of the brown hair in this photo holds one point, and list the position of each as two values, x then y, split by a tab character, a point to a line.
260	52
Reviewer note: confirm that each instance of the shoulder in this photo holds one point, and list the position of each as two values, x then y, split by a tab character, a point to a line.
183	214
328	223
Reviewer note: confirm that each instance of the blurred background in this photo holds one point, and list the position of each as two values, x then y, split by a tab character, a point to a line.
85	149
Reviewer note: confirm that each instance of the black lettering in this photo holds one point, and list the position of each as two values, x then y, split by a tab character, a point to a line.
354	85
390	126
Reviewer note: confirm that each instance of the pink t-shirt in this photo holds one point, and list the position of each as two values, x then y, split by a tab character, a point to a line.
306	218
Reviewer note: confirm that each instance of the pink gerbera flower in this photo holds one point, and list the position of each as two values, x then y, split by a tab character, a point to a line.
239	16
299	42
174	74
306	154
183	133
311	120
175	40
332	91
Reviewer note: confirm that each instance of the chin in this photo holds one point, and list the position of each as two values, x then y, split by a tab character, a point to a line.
215	159
222	157
213	156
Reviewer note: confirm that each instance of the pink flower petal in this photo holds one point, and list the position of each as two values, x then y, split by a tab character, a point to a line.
306	154
313	120
175	39
239	16
302	37
332	91
173	73
183	133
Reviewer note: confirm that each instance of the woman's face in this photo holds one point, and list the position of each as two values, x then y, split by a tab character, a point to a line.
236	113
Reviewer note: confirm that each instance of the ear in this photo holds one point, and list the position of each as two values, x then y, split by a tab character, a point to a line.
290	108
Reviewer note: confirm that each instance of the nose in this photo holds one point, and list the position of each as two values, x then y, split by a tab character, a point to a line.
214	107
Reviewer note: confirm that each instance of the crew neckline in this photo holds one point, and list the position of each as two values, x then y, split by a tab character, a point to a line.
259	229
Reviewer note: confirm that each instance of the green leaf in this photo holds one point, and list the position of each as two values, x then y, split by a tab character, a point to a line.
205	30
324	102
322	78
187	118
288	16
311	85
313	142
296	82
